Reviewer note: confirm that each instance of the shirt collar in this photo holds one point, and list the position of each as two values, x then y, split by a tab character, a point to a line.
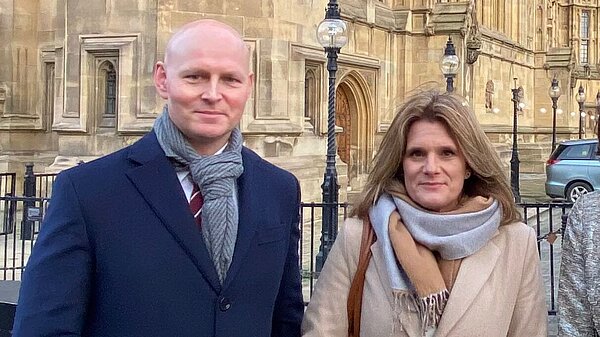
184	172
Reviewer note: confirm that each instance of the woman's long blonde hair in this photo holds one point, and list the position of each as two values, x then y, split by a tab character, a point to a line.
487	179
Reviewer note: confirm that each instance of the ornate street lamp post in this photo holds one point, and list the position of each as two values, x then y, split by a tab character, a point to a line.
581	100
331	34
514	159
554	93
449	64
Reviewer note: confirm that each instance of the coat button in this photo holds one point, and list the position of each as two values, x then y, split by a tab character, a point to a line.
224	304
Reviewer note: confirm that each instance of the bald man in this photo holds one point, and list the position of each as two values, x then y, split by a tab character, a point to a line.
184	233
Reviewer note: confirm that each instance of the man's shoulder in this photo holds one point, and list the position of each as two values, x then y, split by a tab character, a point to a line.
266	168
104	164
115	162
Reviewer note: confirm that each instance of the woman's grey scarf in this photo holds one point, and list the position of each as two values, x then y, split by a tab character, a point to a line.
454	236
216	178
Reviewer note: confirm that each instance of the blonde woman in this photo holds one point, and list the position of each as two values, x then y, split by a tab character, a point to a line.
435	246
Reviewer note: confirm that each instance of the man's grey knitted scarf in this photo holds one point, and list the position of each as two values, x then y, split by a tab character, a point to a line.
216	178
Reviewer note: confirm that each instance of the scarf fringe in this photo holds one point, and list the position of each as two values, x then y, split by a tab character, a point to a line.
429	308
402	300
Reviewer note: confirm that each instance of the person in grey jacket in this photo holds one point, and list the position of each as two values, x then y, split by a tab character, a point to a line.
579	283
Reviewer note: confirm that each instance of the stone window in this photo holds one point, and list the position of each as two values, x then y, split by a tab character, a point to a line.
107	103
584	35
48	109
105	91
311	94
111	89
309	88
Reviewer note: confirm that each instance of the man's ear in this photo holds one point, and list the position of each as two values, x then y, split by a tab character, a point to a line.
160	79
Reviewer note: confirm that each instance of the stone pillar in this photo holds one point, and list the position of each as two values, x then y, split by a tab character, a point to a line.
19	54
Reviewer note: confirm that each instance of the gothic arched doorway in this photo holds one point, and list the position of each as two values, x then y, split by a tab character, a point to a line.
354	114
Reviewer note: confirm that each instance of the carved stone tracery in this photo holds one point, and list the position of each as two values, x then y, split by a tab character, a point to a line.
473	34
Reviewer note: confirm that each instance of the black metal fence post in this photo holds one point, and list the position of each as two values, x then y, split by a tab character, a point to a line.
28	192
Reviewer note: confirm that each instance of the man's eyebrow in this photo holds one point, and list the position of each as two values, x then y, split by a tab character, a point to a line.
191	69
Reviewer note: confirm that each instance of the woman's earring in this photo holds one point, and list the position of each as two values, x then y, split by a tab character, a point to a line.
468	175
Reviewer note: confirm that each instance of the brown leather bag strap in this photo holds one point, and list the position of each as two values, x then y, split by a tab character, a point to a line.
358	282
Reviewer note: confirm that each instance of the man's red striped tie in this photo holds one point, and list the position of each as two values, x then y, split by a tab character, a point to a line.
196	202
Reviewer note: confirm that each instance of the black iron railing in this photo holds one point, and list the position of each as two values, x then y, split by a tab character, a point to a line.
310	230
7	188
20	219
8	183
547	219
43	184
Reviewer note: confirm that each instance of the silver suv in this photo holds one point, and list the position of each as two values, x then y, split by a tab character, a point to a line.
573	169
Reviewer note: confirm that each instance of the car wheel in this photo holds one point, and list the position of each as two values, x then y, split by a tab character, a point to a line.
577	189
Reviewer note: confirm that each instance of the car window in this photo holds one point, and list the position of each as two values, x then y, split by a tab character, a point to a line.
582	151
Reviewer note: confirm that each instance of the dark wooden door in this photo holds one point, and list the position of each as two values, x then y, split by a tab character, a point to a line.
342	119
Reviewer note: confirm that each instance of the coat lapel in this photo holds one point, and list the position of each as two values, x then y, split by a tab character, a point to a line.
157	182
409	327
382	272
247	225
474	272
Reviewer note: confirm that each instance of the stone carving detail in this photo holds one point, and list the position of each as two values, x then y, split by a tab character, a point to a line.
473	50
489	95
429	30
3	94
472	33
520	94
520	97
276	146
369	76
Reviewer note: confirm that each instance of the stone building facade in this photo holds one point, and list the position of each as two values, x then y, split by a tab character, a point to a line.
75	76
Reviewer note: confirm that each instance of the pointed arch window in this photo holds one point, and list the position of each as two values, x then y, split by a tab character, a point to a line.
111	91
311	97
584	37
49	74
309	91
106	92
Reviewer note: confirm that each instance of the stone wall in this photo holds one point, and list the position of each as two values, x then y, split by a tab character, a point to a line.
51	107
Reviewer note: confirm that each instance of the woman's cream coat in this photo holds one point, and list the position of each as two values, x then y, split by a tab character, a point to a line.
498	291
